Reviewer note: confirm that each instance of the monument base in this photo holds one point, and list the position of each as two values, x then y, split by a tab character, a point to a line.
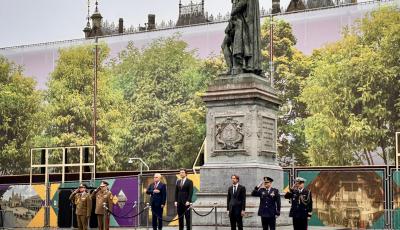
215	181
206	201
216	177
242	140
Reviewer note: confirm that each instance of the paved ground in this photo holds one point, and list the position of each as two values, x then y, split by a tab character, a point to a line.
228	228
213	228
205	228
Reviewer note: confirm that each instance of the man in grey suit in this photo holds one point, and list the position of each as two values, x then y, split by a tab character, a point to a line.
236	203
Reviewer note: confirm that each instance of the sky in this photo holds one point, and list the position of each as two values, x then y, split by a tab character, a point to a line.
34	21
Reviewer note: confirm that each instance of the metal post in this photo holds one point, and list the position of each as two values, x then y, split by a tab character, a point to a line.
190	215
80	163
31	170
148	215
139	199
397	150
95	90
271	29
216	216
63	165
133	221
387	194
46	202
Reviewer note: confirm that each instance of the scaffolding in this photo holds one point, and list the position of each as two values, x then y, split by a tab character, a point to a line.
63	164
46	165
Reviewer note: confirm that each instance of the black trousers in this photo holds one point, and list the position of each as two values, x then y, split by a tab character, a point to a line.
236	220
268	223
157	212
182	210
300	223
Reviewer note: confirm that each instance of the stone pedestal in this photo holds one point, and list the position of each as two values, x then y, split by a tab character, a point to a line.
241	139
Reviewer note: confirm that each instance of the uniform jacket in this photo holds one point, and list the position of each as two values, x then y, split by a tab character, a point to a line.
236	203
102	197
184	193
83	203
301	203
157	199
270	202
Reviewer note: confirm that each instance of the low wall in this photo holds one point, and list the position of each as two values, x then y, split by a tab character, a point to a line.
352	197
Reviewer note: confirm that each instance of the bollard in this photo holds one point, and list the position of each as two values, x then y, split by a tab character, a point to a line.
216	216
148	215
190	215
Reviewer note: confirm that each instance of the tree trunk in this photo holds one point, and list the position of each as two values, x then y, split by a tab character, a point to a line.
367	157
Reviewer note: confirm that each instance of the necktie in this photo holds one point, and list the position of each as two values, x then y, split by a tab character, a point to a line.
182	183
234	189
155	185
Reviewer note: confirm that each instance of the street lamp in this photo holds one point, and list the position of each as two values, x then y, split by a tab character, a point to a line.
130	161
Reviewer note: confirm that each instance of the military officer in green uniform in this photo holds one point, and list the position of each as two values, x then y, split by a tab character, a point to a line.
103	195
83	202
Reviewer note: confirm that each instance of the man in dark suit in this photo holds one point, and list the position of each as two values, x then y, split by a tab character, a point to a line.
158	195
236	203
270	203
183	198
301	209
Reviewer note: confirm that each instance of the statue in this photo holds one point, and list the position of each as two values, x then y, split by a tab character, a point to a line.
241	46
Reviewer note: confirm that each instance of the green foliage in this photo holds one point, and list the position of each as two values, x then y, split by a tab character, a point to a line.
70	105
340	105
19	106
353	93
291	70
162	84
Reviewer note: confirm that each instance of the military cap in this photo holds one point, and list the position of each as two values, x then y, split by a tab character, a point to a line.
82	186
104	182
300	179
269	179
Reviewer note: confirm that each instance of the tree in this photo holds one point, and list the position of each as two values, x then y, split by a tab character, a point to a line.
162	84
70	105
352	94
291	70
20	104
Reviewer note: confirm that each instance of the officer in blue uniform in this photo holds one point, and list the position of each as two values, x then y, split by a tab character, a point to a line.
301	200
270	203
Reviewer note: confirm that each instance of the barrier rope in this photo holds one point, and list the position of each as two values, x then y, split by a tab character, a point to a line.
179	217
130	210
127	217
160	218
203	215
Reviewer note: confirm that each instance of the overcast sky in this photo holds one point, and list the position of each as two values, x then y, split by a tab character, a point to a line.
34	21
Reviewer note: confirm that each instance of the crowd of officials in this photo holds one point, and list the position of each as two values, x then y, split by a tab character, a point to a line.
269	207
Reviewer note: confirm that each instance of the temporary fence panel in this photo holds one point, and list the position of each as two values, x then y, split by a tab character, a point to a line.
351	198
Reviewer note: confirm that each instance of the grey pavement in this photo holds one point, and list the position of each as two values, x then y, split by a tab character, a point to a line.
194	228
200	228
248	228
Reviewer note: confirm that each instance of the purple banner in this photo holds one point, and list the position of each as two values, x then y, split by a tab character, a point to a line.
126	190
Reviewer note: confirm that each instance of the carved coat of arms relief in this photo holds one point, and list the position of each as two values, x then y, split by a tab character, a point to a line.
229	134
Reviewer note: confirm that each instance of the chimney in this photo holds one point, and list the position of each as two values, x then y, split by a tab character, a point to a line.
151	23
180	7
276	6
121	26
